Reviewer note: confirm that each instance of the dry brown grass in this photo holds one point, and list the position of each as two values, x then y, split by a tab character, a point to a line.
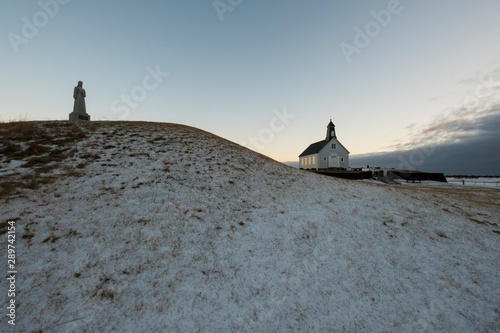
13	151
43	147
9	187
49	132
479	205
4	227
10	148
475	196
21	130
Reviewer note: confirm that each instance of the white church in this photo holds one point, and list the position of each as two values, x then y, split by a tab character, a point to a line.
325	154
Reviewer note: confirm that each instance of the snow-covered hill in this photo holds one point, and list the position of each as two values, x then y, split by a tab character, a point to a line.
147	227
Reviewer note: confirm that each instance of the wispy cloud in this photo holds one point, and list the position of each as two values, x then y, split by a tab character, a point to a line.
470	157
464	138
469	118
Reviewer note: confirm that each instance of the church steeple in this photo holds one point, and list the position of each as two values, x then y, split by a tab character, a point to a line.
330	131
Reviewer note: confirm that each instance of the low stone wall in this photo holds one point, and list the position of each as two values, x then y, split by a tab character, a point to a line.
345	174
417	176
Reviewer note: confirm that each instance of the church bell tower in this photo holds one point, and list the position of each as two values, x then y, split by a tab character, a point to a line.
330	131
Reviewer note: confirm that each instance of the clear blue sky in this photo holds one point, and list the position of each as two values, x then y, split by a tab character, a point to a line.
231	76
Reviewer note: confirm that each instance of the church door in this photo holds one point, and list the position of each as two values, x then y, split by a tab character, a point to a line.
333	162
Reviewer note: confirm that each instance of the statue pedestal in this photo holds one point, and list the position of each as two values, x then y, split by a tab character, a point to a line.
78	116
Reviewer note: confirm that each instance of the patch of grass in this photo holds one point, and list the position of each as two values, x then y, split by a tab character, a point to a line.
28	236
54	156
107	294
12	184
36	149
156	139
52	238
441	234
21	130
4	227
43	147
30	181
10	149
36	161
76	133
15	151
9	187
47	168
477	221
71	172
90	156
57	154
61	133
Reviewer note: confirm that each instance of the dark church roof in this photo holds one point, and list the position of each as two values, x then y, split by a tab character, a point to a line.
314	148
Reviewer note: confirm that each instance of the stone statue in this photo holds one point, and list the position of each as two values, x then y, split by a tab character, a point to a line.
79	109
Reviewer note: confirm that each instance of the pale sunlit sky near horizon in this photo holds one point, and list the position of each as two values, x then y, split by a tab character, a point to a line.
392	74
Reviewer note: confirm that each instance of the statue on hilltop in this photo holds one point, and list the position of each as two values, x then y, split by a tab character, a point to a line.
79	109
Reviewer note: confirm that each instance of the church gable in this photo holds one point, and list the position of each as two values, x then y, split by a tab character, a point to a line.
334	145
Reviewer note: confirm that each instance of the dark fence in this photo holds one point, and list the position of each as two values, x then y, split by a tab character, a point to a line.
417	176
345	174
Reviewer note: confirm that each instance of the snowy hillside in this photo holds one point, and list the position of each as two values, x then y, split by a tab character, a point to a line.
146	227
